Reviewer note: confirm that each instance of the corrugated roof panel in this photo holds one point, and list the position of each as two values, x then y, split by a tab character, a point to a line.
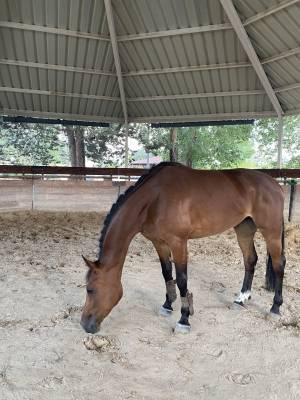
62	35
132	16
229	104
285	71
191	82
277	32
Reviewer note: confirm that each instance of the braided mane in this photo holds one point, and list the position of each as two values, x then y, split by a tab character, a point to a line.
123	197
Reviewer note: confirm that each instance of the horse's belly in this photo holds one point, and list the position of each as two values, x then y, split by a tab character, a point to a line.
212	226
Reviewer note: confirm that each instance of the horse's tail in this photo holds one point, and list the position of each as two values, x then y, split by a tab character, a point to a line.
270	273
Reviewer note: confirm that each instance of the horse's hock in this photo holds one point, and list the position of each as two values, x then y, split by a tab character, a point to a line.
70	195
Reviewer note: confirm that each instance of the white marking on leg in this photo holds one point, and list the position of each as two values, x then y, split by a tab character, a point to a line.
242	297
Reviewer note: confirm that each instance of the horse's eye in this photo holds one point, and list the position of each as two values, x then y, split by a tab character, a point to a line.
90	291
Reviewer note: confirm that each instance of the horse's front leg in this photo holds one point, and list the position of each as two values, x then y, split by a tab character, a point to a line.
166	267
180	258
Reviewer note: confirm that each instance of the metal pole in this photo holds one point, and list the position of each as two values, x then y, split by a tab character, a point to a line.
148	155
280	134
126	144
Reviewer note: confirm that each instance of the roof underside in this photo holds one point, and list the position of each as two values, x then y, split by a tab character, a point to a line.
181	60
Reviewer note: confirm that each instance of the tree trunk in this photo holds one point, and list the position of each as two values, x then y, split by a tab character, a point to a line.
173	145
189	157
75	137
72	146
80	149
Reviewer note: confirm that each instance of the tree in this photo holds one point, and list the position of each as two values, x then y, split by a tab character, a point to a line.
215	146
76	144
31	144
265	137
105	146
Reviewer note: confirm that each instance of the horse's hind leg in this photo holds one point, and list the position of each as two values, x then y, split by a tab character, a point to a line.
166	267
179	252
245	232
274	240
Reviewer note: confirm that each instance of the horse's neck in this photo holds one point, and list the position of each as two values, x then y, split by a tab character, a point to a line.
123	227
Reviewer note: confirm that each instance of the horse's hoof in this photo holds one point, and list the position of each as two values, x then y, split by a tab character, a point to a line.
180	328
165	312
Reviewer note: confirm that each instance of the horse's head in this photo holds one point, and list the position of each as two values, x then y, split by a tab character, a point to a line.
104	290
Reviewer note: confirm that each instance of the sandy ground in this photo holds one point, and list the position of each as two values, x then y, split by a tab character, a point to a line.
229	354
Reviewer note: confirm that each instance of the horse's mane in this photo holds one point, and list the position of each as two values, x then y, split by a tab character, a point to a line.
123	197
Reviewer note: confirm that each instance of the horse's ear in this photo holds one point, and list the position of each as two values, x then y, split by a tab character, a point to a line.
90	264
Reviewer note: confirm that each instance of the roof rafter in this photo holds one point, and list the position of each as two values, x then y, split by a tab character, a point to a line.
187	69
60	94
114	44
174	32
269	11
280	56
268	60
205	117
254	92
55	31
196	95
249	49
47	114
56	67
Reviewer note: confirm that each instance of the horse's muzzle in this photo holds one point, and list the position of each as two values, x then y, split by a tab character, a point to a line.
90	325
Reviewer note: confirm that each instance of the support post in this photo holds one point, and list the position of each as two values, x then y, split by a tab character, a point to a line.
148	155
126	145
280	135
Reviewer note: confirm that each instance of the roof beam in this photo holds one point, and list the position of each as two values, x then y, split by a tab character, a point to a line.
248	47
269	11
196	95
174	32
187	69
56	67
280	56
60	94
268	60
204	117
113	38
55	31
286	88
149	98
46	114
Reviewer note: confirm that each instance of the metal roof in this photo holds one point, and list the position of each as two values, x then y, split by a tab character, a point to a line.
149	61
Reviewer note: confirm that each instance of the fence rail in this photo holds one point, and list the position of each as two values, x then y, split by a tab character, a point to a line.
21	188
46	170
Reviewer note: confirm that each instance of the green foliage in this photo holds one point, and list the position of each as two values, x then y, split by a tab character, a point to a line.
203	147
31	144
105	146
154	141
265	137
215	147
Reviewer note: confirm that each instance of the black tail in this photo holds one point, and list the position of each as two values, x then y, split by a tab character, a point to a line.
270	273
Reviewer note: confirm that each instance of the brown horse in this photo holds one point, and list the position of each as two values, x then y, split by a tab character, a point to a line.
173	203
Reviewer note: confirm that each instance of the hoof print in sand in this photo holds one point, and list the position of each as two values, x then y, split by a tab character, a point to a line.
240	379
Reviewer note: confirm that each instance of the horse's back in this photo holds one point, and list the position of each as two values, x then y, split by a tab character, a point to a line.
205	202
